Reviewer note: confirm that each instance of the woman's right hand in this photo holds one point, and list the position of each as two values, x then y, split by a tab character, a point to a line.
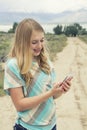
57	90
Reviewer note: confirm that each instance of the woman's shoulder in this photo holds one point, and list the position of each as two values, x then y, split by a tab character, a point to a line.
11	63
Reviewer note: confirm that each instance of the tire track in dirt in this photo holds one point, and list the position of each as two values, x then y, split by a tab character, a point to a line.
80	92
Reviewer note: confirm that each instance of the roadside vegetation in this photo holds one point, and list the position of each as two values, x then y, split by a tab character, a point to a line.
5	43
84	38
1	83
56	43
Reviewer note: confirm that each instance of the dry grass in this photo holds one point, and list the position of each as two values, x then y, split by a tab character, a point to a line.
84	38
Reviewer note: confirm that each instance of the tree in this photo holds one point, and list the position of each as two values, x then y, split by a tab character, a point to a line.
58	29
12	30
71	30
78	26
66	30
14	26
82	32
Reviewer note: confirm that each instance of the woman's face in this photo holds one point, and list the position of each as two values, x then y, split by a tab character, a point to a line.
37	42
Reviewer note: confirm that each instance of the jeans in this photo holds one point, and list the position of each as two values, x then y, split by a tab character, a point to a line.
19	127
54	128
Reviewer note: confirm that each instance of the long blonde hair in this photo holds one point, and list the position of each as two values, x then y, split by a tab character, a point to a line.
21	49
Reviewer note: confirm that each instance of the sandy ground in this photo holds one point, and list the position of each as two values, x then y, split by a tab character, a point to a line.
71	108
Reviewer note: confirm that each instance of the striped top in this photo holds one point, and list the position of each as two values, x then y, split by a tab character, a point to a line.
41	117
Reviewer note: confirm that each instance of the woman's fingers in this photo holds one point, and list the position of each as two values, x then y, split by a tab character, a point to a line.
66	85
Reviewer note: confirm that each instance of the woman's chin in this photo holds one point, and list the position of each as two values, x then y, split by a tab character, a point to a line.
36	54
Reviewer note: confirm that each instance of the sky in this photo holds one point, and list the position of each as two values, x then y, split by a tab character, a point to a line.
46	6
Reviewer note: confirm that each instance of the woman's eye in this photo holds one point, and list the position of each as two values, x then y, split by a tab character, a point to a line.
34	42
42	40
37	41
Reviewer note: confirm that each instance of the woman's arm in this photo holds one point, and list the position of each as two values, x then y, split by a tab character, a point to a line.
23	103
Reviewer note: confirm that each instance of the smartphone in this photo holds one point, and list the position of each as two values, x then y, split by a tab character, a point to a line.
67	77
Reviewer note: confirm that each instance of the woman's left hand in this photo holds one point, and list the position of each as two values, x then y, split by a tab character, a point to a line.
66	84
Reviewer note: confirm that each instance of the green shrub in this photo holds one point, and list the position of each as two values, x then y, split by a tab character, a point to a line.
84	38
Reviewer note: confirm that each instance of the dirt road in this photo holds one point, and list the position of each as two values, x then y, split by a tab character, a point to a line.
71	107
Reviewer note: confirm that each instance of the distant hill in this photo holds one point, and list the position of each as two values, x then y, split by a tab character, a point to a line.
79	16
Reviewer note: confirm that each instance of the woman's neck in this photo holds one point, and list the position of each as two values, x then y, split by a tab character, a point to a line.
36	59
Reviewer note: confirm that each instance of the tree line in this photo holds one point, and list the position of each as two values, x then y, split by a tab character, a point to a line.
70	30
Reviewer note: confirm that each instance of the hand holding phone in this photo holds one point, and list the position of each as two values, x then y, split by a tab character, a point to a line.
70	76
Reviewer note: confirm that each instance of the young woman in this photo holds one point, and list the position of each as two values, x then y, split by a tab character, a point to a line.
30	79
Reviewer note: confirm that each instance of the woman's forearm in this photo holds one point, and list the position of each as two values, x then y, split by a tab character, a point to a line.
24	103
31	102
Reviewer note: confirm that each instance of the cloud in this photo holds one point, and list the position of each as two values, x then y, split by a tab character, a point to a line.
52	6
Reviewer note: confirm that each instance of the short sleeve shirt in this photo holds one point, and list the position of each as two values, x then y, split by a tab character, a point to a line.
44	113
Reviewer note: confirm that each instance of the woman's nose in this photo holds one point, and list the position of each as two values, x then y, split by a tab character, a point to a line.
39	43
